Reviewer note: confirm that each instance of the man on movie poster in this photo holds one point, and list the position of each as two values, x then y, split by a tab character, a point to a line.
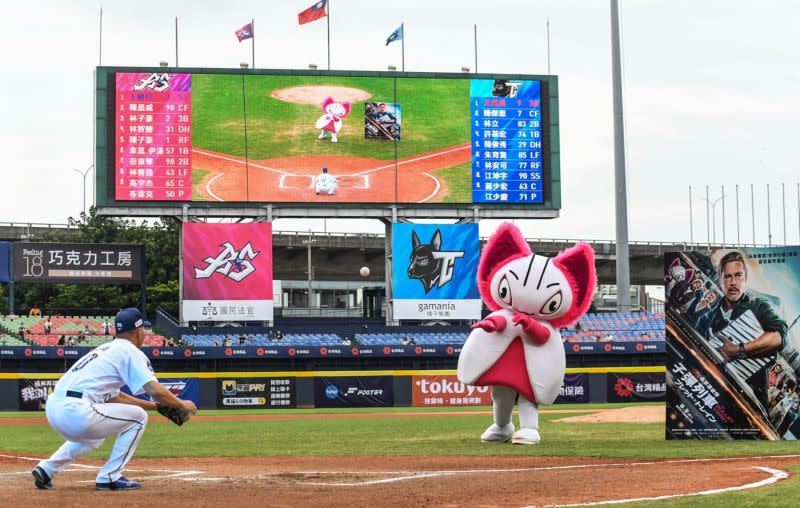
733	362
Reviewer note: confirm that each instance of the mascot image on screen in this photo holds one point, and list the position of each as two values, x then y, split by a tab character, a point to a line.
331	120
517	349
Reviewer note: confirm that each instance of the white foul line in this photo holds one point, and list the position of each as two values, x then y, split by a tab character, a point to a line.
776	475
435	154
248	163
435	191
208	187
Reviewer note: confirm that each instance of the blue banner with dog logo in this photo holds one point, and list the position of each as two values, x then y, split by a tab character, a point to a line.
435	269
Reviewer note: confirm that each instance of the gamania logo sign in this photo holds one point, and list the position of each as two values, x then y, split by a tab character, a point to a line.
231	263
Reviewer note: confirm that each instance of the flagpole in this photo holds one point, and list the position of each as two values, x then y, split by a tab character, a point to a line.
328	21
402	47
100	62
253	30
548	46
176	41
476	48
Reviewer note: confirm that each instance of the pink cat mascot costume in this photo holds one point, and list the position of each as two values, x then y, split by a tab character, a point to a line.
517	349
331	120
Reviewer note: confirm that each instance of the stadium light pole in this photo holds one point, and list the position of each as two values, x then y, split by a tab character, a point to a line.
713	204
620	180
308	243
83	174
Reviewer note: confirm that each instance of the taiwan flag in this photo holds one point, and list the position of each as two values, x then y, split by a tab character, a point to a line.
246	32
313	13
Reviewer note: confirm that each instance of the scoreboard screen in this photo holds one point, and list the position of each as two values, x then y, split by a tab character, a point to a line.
212	137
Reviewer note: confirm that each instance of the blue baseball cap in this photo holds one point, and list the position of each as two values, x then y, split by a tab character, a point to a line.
129	319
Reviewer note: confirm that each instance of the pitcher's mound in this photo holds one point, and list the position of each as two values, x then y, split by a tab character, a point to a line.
631	414
316	94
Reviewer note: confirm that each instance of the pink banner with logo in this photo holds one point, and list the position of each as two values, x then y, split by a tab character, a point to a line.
227	271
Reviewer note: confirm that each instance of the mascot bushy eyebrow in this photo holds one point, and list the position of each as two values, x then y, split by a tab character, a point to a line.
517	349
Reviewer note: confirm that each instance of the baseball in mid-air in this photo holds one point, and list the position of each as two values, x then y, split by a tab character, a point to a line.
364	271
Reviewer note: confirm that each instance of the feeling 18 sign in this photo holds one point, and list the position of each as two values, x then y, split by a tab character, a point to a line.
506	141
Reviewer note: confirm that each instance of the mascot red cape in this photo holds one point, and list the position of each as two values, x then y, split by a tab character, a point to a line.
517	349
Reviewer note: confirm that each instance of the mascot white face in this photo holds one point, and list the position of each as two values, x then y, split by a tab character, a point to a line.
678	273
534	286
335	109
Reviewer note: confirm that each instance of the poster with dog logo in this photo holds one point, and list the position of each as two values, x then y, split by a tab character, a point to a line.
435	268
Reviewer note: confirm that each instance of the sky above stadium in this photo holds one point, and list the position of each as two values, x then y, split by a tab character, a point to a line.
710	94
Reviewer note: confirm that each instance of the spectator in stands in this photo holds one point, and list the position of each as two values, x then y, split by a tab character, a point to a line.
21	332
35	311
71	342
171	343
226	341
86	331
241	339
578	327
106	327
408	341
355	342
279	336
346	341
48	325
62	341
81	336
250	339
215	344
12	317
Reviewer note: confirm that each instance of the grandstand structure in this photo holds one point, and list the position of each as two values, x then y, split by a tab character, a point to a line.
67	326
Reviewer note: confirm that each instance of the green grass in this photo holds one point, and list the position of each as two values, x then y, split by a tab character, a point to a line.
197	178
401	435
457	181
434	115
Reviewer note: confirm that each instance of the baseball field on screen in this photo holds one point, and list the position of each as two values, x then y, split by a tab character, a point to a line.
412	457
254	139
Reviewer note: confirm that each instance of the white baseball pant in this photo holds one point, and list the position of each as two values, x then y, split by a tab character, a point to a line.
85	425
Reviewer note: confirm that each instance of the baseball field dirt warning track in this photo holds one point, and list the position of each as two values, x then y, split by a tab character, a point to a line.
393	481
409	180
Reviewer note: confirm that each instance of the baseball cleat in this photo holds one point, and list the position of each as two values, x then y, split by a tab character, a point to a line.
121	484
526	436
321	136
498	434
41	479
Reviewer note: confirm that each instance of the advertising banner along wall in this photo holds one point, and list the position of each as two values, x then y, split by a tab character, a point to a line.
349	391
262	393
733	364
77	263
227	272
435	268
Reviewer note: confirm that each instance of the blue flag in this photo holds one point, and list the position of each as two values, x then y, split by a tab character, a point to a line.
397	35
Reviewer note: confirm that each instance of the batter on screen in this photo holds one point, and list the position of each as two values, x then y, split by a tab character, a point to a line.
86	405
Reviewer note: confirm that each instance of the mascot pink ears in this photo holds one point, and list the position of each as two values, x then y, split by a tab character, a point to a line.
329	100
575	263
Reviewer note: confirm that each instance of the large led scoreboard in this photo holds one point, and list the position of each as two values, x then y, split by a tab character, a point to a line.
306	143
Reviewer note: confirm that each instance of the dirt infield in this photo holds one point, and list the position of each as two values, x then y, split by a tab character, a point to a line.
631	414
316	94
390	481
291	179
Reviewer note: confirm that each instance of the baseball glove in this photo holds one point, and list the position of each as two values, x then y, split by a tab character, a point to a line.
176	415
